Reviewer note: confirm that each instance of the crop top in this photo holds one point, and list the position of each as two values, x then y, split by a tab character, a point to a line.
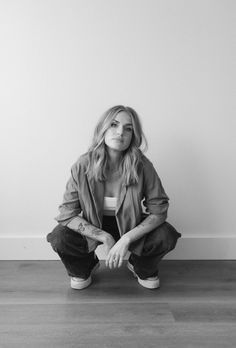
109	205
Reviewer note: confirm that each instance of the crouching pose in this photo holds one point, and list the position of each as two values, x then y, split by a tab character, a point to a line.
114	197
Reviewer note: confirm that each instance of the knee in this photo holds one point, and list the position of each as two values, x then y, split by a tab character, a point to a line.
163	238
57	238
169	236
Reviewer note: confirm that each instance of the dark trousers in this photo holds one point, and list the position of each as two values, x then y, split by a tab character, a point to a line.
73	249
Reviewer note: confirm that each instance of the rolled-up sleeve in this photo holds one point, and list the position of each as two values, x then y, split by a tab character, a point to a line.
155	198
70	206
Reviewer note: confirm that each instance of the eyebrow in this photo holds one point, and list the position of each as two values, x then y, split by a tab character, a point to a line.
126	124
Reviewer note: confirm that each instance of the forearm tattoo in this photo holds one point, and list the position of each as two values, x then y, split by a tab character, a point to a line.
81	227
94	231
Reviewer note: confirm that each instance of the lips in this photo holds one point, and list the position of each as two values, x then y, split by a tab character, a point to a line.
118	139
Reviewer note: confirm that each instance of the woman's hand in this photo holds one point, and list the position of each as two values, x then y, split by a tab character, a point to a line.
108	241
117	252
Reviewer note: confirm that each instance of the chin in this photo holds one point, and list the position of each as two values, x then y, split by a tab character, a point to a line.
115	148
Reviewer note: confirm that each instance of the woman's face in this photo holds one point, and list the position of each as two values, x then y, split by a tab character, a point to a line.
118	136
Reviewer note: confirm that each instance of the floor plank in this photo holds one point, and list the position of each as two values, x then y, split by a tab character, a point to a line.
47	282
121	335
204	312
83	313
194	308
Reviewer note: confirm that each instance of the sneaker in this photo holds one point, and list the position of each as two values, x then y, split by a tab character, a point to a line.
149	283
81	283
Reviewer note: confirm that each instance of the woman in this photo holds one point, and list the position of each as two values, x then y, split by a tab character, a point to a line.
104	204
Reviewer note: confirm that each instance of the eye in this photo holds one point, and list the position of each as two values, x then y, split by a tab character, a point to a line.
129	129
113	124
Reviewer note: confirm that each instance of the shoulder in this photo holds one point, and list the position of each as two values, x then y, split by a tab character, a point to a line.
81	163
146	163
149	172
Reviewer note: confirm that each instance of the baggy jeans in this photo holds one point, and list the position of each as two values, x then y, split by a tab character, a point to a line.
72	248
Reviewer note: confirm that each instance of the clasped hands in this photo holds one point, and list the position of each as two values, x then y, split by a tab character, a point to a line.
116	251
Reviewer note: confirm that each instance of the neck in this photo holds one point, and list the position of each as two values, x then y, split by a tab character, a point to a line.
114	158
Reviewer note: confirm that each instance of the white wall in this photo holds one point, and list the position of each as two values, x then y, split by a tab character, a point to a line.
63	63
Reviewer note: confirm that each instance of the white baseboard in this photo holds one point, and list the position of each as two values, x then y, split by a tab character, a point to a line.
188	248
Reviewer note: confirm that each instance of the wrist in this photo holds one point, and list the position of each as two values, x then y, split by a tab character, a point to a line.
126	238
104	237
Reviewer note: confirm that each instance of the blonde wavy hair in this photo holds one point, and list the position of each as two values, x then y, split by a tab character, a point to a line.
132	156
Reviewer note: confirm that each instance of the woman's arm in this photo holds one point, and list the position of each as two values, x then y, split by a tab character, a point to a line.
71	208
82	226
147	225
156	203
118	251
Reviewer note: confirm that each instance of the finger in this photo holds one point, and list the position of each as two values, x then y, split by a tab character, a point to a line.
120	262
107	260
110	261
116	261
109	257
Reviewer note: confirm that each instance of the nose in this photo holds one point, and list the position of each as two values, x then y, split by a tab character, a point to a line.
120	130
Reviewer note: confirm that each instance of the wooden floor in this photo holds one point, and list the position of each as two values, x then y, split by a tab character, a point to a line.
195	307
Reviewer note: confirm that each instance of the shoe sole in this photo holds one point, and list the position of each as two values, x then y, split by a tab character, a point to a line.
84	283
149	284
